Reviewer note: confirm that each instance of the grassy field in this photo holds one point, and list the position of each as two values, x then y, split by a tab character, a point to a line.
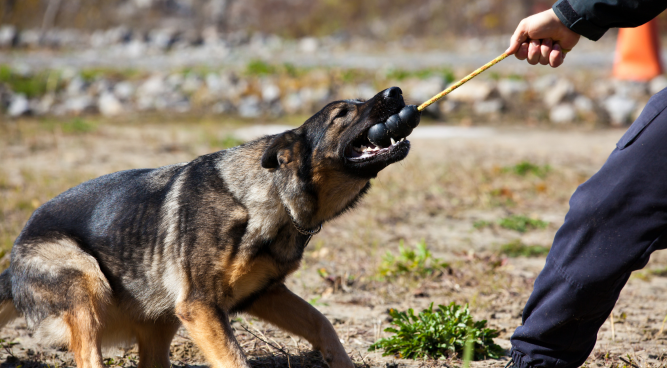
485	208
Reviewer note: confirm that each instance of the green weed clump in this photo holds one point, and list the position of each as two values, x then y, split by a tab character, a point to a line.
522	223
517	248
524	168
417	262
440	333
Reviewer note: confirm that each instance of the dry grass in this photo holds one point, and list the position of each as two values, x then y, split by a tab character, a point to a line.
436	194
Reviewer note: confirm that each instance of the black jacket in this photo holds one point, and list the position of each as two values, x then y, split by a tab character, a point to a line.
592	18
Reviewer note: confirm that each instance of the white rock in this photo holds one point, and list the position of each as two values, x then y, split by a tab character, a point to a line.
657	84
152	87
109	105
558	93
79	104
7	35
620	109
509	88
475	90
270	92
213	83
632	89
308	45
492	106
293	103
448	106
583	104
562	113
545	82
123	90
249	107
29	37
135	48
19	106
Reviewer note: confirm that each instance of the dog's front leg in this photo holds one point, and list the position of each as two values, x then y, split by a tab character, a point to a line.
288	311
209	327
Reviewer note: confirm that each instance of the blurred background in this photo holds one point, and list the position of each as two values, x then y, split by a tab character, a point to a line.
268	59
89	87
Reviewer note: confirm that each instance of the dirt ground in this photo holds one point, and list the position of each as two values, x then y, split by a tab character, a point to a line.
441	194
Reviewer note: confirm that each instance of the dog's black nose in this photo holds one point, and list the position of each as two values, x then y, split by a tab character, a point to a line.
392	92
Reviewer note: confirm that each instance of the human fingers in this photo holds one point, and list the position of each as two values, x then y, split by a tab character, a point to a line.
522	54
545	50
518	38
557	56
533	52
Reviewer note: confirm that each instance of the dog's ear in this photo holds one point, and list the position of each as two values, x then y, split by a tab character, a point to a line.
278	151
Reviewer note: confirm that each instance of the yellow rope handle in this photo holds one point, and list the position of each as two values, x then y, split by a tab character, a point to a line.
462	81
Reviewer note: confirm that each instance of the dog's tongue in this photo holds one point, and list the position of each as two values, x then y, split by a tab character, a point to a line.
397	126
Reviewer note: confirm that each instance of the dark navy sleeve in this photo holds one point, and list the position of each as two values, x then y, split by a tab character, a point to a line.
592	18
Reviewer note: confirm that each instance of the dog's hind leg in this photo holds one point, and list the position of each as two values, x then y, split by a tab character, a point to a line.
288	311
63	294
154	340
85	337
209	327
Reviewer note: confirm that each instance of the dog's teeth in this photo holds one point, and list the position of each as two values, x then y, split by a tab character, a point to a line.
393	142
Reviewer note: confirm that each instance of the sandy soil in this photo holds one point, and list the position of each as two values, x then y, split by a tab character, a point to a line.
444	187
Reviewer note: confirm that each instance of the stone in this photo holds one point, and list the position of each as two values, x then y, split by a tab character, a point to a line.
475	90
308	45
366	91
249	107
583	104
619	108
558	93
657	84
632	89
7	36
447	106
510	88
492	106
123	90
18	106
562	113
109	104
79	104
293	103
29	38
270	92
213	83
543	83
44	105
153	86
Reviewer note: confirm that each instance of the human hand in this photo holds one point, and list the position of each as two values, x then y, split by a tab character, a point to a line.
542	38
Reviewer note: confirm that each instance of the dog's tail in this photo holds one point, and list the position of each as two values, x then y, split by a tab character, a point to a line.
7	310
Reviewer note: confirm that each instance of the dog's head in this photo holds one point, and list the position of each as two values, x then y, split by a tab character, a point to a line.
325	165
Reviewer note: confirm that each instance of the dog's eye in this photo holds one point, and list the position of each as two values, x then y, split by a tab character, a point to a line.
342	113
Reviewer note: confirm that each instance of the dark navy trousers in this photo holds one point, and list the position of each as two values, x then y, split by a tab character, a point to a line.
616	220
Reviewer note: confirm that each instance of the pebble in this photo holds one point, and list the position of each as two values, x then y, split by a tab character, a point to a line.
109	105
620	109
492	106
18	106
562	113
558	93
475	90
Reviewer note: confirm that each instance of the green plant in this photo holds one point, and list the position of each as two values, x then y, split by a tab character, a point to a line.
259	67
78	126
440	333
418	262
228	141
524	168
521	223
517	248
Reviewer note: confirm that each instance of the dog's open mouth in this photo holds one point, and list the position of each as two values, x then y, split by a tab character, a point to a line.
382	138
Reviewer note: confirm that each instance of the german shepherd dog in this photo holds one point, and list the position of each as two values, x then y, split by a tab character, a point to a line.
131	256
